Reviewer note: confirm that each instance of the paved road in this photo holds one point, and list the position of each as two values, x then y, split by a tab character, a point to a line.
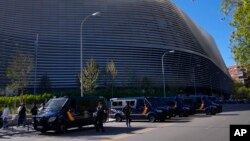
194	128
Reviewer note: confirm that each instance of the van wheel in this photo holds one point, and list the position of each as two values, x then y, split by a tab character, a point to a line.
118	118
213	112
168	117
208	112
151	118
62	128
43	131
181	114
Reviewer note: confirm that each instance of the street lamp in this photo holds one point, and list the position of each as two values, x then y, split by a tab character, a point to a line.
93	14
163	73
36	46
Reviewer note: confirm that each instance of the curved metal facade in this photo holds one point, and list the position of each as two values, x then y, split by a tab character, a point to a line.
134	33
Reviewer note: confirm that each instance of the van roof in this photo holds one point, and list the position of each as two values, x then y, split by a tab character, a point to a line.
84	97
127	98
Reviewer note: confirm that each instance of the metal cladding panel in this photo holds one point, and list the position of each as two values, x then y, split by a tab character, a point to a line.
134	33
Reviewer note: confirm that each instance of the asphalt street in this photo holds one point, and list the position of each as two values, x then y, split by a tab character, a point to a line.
199	127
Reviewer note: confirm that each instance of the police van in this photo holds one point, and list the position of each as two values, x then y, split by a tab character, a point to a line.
62	113
142	109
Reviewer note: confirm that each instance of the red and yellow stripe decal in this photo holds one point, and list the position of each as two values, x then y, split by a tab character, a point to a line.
70	116
202	106
145	110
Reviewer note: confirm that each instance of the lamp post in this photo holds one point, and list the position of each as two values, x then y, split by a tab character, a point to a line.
163	73
36	46
93	14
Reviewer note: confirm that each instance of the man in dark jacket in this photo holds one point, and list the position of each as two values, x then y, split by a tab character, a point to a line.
22	115
127	111
100	113
34	111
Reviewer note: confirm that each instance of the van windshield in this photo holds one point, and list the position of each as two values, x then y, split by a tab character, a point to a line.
55	105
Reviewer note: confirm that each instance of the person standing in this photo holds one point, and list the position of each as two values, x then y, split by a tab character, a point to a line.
127	111
100	112
5	116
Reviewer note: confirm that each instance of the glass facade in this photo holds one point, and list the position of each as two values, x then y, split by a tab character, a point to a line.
133	33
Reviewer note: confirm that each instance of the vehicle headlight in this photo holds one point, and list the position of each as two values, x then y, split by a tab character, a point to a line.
52	119
159	111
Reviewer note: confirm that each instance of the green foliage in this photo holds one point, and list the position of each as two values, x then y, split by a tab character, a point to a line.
19	70
111	72
11	101
229	5
90	76
240	37
241	91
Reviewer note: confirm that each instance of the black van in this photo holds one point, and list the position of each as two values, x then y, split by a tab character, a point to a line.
143	108
178	105
66	112
202	104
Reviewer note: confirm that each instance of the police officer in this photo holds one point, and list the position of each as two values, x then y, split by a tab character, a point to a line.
127	111
100	112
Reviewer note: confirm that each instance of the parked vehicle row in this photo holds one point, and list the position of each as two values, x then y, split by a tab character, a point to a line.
62	113
159	108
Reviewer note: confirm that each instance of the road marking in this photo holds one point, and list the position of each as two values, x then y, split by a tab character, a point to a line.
142	131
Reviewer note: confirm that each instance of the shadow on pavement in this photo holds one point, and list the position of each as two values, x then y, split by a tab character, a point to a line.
203	115
90	131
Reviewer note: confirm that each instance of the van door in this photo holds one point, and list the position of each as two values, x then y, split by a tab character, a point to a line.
75	112
140	110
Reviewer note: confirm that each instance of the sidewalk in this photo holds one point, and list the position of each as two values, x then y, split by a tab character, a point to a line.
14	130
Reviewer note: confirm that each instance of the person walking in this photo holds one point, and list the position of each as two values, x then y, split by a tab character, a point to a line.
5	116
100	112
127	111
22	115
34	111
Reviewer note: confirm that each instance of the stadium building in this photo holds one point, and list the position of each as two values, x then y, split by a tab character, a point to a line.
133	33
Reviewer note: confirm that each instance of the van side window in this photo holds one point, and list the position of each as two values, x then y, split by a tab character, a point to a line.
132	103
198	100
114	103
81	105
140	103
117	103
72	105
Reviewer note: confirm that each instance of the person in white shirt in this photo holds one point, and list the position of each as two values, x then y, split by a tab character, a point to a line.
5	116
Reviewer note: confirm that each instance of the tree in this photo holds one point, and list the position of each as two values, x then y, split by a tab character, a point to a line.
240	91
44	84
111	73
90	76
240	37
19	71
